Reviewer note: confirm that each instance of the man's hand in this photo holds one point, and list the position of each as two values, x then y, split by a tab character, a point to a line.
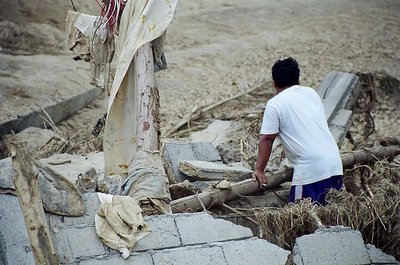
261	177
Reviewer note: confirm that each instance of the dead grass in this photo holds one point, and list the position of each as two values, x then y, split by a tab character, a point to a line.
374	211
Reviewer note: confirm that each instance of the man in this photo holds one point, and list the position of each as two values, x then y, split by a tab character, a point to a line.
297	116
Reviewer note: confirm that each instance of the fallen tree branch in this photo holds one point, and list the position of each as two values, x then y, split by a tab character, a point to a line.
247	187
198	112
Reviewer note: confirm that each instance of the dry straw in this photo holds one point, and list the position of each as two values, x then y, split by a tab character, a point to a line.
375	213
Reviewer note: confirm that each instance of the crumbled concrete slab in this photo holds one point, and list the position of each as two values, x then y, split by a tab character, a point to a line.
21	112
174	153
203	170
334	245
378	257
15	246
203	255
338	90
203	228
340	124
164	234
70	166
225	136
253	251
136	259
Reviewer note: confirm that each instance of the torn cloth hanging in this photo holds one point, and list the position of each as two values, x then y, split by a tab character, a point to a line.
141	22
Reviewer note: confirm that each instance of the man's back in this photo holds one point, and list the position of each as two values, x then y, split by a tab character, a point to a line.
297	114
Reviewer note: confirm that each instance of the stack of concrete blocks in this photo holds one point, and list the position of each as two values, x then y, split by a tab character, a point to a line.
338	92
173	153
175	239
337	246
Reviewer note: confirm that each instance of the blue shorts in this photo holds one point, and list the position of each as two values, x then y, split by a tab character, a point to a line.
316	191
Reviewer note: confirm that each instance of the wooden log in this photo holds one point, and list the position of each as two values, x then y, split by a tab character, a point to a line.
27	187
247	187
148	114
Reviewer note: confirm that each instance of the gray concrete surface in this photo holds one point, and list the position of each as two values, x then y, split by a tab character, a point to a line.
193	239
173	153
253	251
335	245
57	111
211	229
203	170
378	257
15	247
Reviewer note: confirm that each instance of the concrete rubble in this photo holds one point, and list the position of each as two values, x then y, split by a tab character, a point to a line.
337	245
203	170
174	153
175	239
196	238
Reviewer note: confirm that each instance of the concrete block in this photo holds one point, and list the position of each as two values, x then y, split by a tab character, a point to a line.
15	246
253	251
203	170
202	228
92	204
340	124
378	257
7	174
137	259
201	255
338	133
74	243
338	90
174	153
164	234
70	166
205	151
335	245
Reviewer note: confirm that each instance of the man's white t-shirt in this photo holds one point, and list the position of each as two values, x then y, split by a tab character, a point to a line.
297	115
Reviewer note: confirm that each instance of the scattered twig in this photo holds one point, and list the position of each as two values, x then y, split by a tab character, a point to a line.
50	121
239	213
195	114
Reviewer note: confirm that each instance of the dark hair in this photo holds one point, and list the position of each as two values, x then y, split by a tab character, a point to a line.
285	73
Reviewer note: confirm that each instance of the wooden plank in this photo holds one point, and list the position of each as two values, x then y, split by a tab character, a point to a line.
27	187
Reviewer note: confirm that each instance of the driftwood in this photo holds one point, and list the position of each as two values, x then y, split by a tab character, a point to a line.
247	187
198	112
148	119
27	187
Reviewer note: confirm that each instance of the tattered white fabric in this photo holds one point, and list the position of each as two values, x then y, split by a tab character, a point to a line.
91	41
119	223
142	21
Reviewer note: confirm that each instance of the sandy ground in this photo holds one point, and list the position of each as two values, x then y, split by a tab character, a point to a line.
217	48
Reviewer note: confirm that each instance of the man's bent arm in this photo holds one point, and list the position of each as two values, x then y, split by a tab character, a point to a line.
264	152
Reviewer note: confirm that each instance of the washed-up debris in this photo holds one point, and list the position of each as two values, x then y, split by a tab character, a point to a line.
225	136
27	188
86	182
147	182
203	170
173	153
182	189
